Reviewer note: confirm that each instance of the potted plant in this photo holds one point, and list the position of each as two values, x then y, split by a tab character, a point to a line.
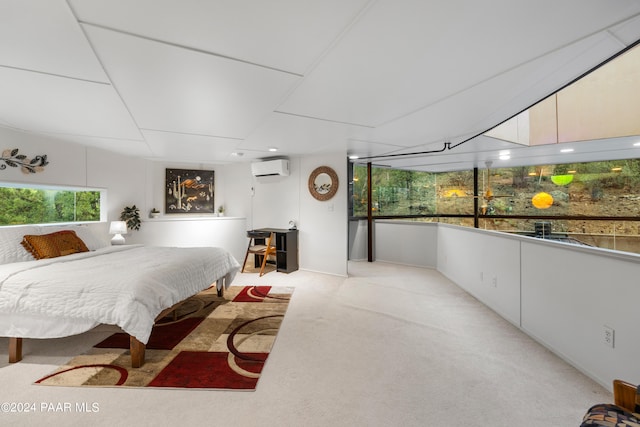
131	215
155	213
221	210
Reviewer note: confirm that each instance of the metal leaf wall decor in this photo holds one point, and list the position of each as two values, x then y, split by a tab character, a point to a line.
13	159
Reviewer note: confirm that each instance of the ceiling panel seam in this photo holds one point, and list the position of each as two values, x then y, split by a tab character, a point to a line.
336	40
115	89
324	120
62	76
189	48
193	134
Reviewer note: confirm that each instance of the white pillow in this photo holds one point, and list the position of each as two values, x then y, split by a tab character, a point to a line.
10	248
92	236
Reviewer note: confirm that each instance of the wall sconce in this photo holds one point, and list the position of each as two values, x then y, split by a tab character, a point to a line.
118	228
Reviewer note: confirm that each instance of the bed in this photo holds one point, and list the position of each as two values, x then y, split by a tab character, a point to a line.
129	286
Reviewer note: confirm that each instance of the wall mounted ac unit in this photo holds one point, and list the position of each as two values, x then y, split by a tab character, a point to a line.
270	168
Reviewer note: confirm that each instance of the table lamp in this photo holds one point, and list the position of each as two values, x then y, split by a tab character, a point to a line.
118	228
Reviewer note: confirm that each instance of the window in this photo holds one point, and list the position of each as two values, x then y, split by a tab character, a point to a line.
42	205
595	203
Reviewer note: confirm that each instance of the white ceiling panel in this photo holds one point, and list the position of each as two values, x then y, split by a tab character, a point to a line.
283	34
190	148
363	148
300	135
628	31
194	81
483	106
403	56
127	147
45	103
43	36
186	91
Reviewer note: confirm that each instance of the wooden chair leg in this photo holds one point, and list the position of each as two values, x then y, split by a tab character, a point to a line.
15	349
264	262
246	256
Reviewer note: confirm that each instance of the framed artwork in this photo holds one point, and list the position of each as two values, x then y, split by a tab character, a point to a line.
189	191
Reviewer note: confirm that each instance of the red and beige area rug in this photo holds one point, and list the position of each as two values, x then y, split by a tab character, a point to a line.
209	342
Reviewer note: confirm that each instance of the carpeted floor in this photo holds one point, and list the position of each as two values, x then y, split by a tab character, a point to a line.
387	346
208	342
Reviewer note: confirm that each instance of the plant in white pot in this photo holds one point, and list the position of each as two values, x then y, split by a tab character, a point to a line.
131	215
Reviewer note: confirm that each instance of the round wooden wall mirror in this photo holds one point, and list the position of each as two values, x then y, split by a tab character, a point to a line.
323	183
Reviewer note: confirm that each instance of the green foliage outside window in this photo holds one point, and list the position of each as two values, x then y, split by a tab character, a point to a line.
595	203
597	189
42	206
395	192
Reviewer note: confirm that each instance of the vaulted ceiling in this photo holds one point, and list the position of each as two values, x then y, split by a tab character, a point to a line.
203	81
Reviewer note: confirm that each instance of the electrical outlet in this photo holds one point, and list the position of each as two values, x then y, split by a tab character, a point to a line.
609	336
494	281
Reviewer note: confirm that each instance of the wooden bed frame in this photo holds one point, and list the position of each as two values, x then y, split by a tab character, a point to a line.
136	348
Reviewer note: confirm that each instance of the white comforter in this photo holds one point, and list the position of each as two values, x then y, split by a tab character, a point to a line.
126	286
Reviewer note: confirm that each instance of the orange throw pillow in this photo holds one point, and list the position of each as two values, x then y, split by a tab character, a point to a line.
53	245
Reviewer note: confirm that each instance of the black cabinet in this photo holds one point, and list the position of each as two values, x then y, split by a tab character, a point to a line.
286	249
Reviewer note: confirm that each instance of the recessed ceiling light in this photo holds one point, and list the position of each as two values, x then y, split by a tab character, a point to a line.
354	157
504	157
566	150
273	149
505	153
636	144
237	154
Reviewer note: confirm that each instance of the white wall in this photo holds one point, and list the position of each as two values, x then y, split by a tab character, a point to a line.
324	224
276	199
78	166
405	242
569	295
235	187
486	264
358	240
226	232
67	162
259	202
273	201
561	295
123	177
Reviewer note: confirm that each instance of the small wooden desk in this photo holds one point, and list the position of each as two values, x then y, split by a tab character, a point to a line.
286	249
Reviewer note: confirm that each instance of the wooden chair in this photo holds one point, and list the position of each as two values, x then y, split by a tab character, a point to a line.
624	395
256	247
623	412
